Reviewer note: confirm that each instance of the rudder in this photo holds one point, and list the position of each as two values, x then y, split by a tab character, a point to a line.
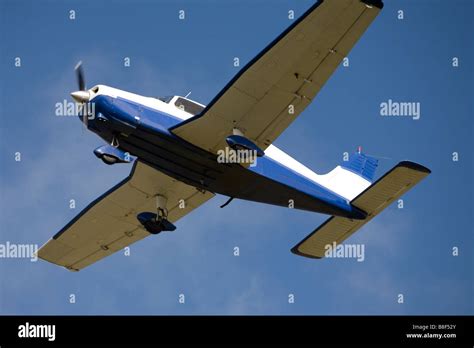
352	177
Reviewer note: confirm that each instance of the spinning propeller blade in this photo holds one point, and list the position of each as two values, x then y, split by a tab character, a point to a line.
82	95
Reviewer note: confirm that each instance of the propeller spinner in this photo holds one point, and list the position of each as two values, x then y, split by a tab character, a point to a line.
82	95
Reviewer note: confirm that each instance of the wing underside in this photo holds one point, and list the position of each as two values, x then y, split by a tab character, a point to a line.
279	83
109	223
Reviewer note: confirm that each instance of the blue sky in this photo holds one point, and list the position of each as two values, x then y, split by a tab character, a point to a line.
407	251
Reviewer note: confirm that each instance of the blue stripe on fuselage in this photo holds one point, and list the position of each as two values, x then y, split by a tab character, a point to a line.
157	122
126	111
272	169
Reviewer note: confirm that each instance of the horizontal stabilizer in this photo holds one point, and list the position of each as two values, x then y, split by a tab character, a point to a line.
373	200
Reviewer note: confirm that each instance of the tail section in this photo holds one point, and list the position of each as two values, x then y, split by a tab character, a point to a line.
372	200
351	177
362	165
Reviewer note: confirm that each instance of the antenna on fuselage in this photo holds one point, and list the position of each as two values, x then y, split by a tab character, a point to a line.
359	151
187	95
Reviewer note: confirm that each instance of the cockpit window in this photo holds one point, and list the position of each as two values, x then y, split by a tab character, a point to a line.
188	106
166	99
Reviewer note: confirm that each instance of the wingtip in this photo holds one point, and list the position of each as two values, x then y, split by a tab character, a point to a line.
415	166
295	251
375	3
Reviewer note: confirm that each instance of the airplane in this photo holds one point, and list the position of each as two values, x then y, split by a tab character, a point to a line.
174	144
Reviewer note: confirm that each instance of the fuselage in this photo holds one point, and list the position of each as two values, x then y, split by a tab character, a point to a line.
141	126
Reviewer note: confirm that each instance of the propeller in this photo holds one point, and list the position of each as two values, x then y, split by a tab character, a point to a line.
82	95
80	76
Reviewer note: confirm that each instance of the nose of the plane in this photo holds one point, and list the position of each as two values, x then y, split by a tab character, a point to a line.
81	96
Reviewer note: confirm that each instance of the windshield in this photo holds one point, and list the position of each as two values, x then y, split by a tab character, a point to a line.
188	106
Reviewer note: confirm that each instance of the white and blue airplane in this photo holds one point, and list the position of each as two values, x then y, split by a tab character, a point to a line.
175	145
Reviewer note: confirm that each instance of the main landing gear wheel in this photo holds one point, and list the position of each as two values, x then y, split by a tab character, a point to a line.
156	223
